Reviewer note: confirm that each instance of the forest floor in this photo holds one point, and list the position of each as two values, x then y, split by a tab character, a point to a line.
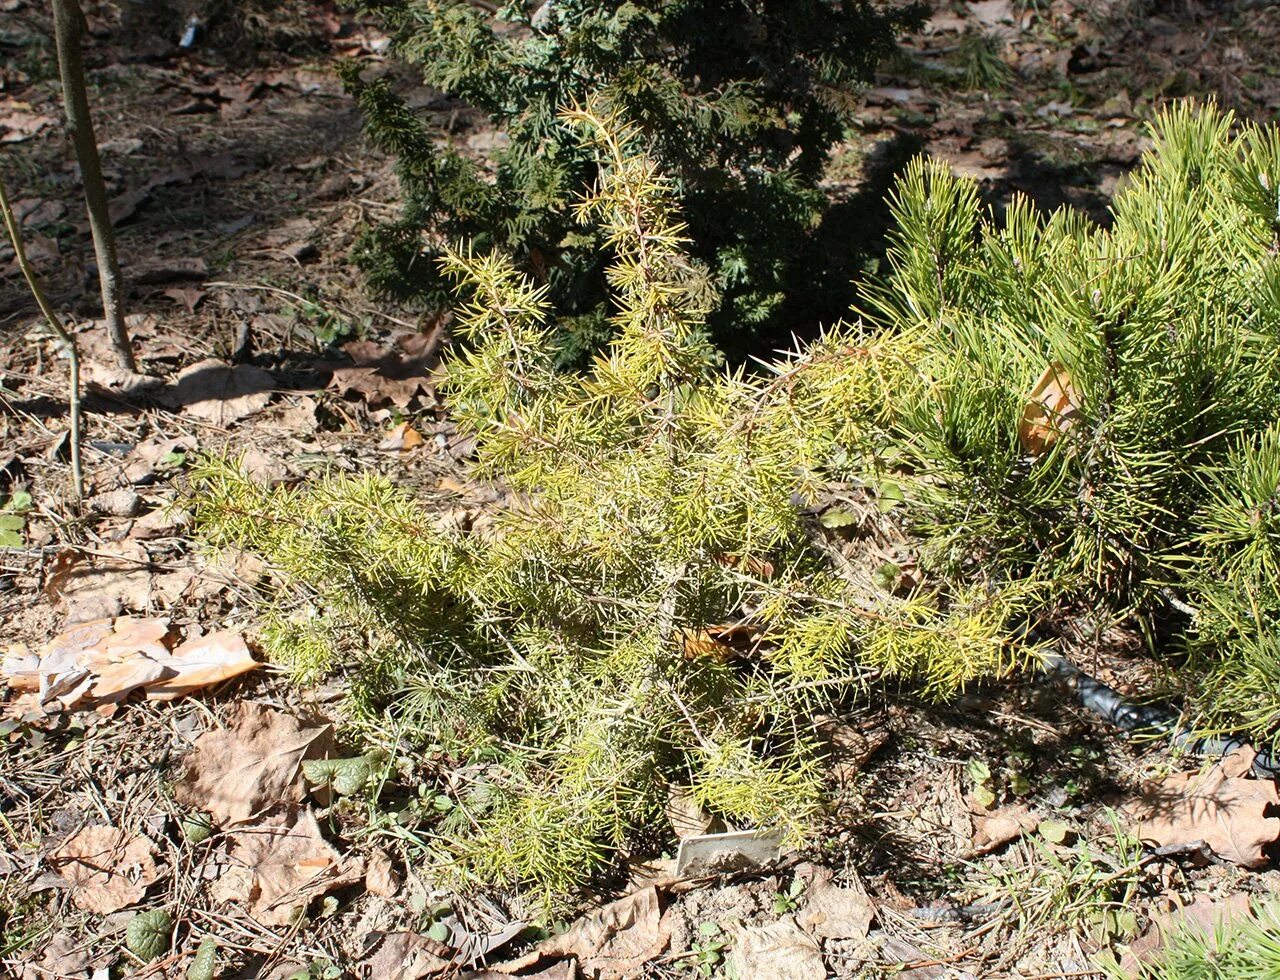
983	839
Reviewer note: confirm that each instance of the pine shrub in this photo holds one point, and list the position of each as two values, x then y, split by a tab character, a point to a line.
739	103
1095	410
1064	417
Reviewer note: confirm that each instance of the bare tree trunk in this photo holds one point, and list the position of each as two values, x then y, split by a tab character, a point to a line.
68	27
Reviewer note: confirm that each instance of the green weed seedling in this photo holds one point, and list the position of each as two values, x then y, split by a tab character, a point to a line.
13	518
708	949
788	900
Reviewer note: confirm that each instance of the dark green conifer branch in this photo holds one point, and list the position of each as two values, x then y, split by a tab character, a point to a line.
738	103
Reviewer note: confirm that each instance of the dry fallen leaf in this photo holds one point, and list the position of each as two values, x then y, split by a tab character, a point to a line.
202	662
995	827
1227	812
116	578
380	877
718	642
253	763
1052	407
687	818
98	664
127	658
66	954
778	950
20	122
1205	915
832	912
291	863
849	746
381	376
218	392
107	868
564	970
617	940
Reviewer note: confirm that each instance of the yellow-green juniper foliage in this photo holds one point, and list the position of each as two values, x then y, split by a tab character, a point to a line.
568	654
654	501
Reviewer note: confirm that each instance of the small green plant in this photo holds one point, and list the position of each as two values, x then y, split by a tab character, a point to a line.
346	777
204	965
319	969
328	327
13	520
565	657
980	58
1069	418
197	827
1090	886
1094	410
707	950
788	900
740	104
20	920
147	935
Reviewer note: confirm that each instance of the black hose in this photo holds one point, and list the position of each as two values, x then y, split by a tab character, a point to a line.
1114	708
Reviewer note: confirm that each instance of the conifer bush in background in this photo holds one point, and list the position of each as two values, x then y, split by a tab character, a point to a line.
739	103
1064	417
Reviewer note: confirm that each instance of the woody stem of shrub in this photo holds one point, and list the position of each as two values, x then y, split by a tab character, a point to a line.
68	27
15	235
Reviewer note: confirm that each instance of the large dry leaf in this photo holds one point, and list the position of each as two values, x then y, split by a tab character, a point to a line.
779	950
832	912
993	828
290	864
380	876
381	376
564	970
202	662
116	578
1218	807
253	763
220	393
1204	915
65	955
617	940
18	122
98	664
687	818
849	746
107	868
1052	408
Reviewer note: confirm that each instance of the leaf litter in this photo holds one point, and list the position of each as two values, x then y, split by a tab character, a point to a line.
278	866
251	764
96	665
107	868
1230	813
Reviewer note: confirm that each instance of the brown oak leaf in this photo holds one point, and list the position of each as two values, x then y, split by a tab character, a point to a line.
617	940
1219	807
253	763
290	863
